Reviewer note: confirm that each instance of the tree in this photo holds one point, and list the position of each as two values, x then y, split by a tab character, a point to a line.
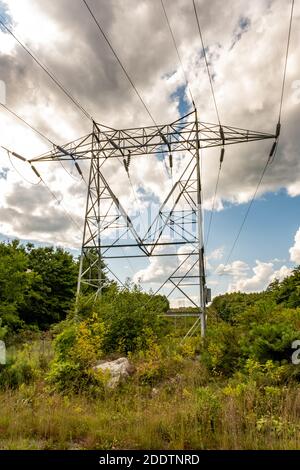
15	281
131	316
228	306
49	297
287	292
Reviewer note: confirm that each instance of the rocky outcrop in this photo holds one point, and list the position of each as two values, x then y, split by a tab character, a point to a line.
118	370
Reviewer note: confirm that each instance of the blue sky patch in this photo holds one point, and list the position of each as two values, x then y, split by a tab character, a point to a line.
3	173
243	26
180	96
5	16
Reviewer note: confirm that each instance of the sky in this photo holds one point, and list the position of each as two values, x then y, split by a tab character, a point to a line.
245	45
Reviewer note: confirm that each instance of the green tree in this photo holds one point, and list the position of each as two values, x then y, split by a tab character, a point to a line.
15	281
287	292
229	306
49	297
130	316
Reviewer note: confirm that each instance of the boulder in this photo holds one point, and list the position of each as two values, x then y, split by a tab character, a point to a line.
119	370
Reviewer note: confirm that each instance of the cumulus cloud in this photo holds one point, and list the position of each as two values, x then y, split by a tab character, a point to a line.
281	273
245	279
245	46
160	268
258	281
236	269
216	254
295	249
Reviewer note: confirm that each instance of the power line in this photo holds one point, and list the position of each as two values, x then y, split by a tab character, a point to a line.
122	66
34	129
9	152
206	63
178	55
286	60
17	171
47	71
218	117
283	80
52	143
212	208
70	174
119	62
275	145
41	179
247	211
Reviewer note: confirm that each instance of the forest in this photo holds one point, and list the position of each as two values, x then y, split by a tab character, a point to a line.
239	388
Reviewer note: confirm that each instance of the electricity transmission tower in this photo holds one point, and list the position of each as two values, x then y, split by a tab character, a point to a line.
176	230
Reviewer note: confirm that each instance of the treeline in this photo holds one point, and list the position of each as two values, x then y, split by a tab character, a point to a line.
37	286
255	330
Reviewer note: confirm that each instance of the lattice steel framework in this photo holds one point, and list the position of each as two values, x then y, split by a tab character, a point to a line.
179	215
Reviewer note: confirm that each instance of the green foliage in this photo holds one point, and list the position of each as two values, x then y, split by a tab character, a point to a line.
21	368
227	306
287	292
53	289
271	338
151	369
260	330
37	285
257	327
249	397
77	349
131	317
221	351
122	321
15	280
3	330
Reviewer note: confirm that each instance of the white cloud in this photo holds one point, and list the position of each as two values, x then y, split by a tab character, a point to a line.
281	273
295	249
158	270
236	269
161	267
257	282
216	254
247	81
261	275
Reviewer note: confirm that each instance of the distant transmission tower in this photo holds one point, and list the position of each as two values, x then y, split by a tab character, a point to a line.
180	215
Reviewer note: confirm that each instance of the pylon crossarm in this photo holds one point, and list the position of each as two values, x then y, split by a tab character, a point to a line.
182	135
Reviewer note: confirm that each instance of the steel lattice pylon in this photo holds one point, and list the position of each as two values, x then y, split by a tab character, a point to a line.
180	214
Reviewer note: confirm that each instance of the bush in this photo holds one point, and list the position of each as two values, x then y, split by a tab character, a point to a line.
77	349
21	368
263	333
221	352
130	317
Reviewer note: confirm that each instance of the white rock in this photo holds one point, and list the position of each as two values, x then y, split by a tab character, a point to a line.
119	369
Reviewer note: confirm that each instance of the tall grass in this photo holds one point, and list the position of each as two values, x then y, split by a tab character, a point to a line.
186	410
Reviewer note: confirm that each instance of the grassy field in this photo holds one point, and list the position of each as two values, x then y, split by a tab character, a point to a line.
186	409
238	389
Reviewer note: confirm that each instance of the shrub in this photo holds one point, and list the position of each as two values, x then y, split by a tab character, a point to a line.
221	352
263	332
77	349
130	317
21	368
